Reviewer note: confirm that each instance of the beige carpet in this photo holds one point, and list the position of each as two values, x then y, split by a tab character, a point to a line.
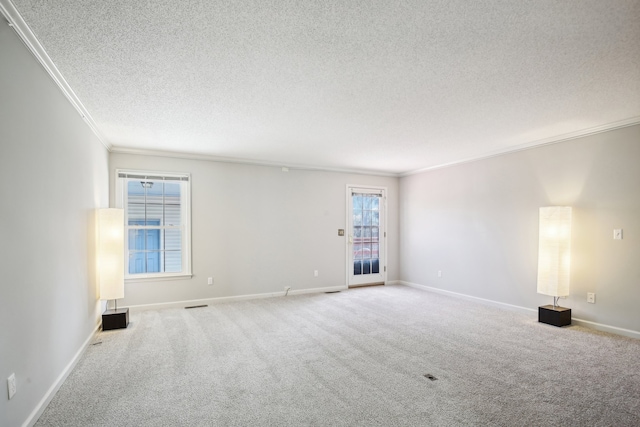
357	357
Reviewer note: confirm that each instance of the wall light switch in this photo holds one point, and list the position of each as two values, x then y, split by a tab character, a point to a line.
617	234
210	281
11	385
591	298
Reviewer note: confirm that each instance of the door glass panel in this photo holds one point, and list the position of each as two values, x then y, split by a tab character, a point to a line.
357	251
357	204
357	219
375	266
366	250
366	217
366	202
366	266
357	267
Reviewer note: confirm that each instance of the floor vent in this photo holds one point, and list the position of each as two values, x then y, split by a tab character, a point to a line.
431	377
197	306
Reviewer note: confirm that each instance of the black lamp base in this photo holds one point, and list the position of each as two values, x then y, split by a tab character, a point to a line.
115	319
556	316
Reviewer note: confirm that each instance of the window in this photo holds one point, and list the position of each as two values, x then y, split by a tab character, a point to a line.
157	223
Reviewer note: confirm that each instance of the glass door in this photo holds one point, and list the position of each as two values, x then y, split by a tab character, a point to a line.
366	248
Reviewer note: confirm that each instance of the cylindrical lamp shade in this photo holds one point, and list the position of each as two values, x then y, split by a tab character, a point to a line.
111	253
554	251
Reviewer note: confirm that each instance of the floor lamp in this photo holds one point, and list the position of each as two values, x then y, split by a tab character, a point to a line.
111	266
554	262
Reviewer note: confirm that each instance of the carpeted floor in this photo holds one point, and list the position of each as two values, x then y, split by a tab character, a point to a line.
358	357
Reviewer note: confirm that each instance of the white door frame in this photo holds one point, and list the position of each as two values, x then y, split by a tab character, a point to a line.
349	231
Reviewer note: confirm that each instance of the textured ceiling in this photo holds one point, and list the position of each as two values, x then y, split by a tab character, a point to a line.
389	86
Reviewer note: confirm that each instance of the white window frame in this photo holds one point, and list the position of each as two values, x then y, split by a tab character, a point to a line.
121	177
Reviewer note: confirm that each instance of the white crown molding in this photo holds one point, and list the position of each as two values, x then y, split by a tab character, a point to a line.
27	36
221	159
533	144
526	146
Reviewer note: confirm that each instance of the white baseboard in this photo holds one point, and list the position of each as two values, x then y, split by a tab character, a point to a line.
316	290
39	409
394	282
606	328
586	323
203	301
467	297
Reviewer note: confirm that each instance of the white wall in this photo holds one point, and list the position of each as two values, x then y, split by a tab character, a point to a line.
53	174
478	223
256	229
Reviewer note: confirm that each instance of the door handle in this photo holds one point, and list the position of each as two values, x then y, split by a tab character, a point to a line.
350	239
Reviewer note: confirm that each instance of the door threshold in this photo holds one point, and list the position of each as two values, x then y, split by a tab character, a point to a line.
366	285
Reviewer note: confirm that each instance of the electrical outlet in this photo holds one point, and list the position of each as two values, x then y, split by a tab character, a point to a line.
11	385
210	281
591	298
315	273
439	273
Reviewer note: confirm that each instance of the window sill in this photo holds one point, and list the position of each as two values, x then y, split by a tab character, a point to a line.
160	278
